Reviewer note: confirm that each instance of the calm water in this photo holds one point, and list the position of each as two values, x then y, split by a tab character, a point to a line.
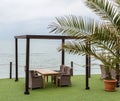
43	54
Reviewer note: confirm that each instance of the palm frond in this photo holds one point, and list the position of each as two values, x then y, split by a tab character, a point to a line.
107	10
79	48
73	26
86	30
117	2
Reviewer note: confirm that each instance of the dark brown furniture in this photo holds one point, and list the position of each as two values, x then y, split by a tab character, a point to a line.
35	80
64	78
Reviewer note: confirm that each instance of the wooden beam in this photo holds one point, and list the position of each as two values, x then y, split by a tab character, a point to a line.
44	37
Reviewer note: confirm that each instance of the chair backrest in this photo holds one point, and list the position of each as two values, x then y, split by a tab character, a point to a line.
113	73
104	74
32	73
66	70
62	67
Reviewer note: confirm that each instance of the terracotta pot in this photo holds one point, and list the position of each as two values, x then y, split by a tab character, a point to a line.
110	85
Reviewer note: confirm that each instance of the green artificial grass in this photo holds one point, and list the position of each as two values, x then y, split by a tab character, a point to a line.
14	91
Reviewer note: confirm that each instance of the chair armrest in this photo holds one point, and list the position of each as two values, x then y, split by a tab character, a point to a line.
36	76
65	77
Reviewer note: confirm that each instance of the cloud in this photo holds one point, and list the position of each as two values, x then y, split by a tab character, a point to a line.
33	16
17	10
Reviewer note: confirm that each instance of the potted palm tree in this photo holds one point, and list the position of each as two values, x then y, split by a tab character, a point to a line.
104	37
110	79
109	11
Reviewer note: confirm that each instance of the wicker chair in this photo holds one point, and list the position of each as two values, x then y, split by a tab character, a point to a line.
65	78
104	74
35	80
63	71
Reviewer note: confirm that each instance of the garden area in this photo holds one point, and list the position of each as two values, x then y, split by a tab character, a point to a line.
14	91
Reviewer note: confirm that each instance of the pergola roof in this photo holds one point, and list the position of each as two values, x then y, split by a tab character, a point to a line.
43	37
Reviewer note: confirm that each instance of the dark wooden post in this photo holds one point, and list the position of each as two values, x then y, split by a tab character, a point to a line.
72	67
72	64
10	70
63	52
89	61
27	66
118	69
16	59
87	68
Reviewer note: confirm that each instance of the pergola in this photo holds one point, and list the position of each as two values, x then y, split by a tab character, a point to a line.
53	37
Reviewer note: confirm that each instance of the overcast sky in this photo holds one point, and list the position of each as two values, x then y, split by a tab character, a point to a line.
33	16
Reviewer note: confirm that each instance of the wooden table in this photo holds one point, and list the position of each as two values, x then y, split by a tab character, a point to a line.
47	72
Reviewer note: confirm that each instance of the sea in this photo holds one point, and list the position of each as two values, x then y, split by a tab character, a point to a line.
43	54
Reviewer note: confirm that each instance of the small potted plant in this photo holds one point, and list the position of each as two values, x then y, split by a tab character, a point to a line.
110	68
110	78
110	62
